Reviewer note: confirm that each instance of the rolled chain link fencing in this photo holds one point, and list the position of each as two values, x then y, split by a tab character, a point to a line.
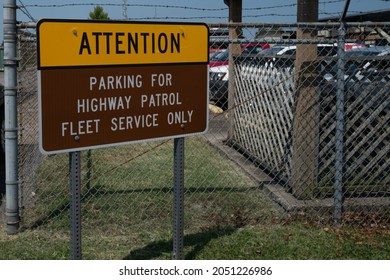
270	152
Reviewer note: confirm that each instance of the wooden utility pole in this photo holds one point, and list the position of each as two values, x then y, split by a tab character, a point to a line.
235	16
305	138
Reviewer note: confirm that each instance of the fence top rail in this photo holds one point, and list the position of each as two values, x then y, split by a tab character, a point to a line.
299	24
23	25
277	41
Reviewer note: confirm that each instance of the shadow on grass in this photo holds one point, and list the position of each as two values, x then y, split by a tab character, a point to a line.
198	241
46	219
101	191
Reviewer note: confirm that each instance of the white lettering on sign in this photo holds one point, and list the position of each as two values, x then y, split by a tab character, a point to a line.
115	82
160	99
179	117
124	103
103	104
130	122
80	127
163	80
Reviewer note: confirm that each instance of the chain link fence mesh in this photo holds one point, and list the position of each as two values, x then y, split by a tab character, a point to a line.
283	115
269	153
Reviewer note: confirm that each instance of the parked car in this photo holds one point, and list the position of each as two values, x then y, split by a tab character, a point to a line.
322	49
351	46
219	71
218	84
361	64
223	57
219	75
290	50
214	52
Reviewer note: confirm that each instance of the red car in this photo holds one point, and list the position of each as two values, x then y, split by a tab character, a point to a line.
350	46
223	57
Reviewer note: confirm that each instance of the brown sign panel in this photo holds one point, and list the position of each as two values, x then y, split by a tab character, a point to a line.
104	83
83	108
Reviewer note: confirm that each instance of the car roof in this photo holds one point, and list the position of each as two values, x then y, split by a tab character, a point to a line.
375	50
290	47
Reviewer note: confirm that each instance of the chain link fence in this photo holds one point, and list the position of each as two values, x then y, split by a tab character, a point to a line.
287	104
270	152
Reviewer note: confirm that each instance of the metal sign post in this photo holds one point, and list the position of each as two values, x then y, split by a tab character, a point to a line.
178	200
75	205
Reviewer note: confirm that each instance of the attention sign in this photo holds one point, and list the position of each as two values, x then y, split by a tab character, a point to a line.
104	83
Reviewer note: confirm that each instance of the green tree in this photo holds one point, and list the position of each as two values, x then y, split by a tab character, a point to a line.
98	13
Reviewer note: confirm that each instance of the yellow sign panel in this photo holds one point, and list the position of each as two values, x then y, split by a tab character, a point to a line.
78	43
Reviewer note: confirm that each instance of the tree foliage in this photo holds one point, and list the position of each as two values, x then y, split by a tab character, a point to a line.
98	14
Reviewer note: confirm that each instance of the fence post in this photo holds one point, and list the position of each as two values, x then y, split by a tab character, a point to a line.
10	117
178	200
235	16
339	142
304	173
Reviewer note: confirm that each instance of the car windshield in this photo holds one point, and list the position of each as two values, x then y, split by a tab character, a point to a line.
362	52
214	54
371	51
273	51
222	56
327	50
252	49
291	50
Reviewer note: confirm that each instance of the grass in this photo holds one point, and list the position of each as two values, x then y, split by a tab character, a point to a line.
277	242
127	212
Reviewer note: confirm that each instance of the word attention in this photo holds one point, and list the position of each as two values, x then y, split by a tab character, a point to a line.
129	43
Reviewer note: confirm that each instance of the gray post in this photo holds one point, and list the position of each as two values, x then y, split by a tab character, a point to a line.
235	16
304	161
178	200
75	205
10	117
339	162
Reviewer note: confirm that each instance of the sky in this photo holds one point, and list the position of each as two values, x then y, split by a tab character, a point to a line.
209	11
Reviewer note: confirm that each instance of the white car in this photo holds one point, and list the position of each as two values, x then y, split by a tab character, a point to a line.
218	85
